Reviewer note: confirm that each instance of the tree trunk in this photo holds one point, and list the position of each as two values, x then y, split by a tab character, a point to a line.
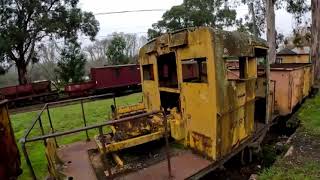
315	37
271	38
253	17
271	31
22	73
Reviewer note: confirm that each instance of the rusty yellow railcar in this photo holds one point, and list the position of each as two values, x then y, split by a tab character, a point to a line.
184	73
188	96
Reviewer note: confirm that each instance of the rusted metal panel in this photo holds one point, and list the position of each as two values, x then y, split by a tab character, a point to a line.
79	89
292	85
32	89
41	87
179	38
9	153
116	76
215	107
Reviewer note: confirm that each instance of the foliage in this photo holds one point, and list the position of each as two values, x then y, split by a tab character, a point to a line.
97	51
255	19
63	118
257	10
70	67
116	50
195	13
23	24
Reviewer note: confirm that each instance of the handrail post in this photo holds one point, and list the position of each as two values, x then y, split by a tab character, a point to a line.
42	130
51	125
103	155
167	142
114	101
84	119
26	157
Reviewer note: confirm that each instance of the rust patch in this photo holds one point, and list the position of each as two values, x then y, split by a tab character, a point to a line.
202	143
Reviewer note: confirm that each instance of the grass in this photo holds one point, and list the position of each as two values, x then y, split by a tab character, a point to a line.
300	166
64	118
307	171
309	115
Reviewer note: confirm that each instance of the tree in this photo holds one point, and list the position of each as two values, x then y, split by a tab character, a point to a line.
315	37
97	51
49	55
195	13
116	50
254	22
23	24
71	65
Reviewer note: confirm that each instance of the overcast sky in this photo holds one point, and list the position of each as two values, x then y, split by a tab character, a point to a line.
139	22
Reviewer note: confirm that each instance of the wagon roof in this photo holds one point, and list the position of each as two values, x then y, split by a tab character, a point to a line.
110	66
286	51
231	43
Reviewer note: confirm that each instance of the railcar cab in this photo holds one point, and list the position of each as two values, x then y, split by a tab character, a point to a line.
185	74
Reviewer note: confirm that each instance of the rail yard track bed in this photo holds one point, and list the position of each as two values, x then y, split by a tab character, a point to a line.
302	159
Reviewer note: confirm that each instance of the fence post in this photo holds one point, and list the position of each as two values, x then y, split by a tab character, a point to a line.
51	125
26	157
84	119
167	142
42	130
114	101
103	155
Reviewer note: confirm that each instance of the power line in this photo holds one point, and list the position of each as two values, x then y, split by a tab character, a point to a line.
130	11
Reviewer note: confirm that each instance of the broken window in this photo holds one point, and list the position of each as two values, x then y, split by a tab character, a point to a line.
148	72
195	70
167	70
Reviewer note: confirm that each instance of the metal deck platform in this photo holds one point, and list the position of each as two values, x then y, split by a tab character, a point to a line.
183	166
77	161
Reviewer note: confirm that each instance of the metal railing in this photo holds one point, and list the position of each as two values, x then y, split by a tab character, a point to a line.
24	140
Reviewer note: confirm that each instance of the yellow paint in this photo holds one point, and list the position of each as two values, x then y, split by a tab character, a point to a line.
303	58
117	159
116	146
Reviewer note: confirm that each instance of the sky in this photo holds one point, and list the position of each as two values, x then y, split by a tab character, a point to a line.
139	22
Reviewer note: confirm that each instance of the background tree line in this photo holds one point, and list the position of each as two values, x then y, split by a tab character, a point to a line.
30	29
70	62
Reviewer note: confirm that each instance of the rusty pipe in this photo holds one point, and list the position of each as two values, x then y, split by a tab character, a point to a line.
111	122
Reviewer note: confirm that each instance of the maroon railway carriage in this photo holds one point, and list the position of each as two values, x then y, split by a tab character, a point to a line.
29	93
116	76
108	79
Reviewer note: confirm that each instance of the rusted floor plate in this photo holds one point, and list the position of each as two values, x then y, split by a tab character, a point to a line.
183	166
76	159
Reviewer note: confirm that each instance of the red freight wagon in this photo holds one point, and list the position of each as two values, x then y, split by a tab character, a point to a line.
79	89
116	76
40	91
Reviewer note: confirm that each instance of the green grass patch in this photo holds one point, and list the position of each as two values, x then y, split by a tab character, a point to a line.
309	115
299	166
63	118
306	171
